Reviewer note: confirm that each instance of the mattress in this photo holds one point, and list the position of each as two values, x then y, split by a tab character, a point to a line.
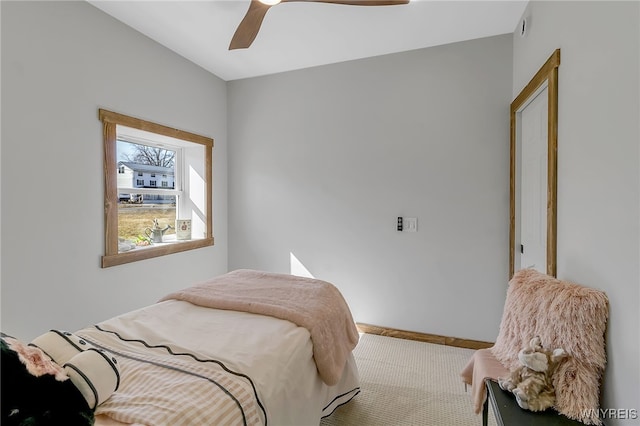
212	355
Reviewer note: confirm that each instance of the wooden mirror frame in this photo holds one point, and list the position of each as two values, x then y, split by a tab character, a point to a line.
547	73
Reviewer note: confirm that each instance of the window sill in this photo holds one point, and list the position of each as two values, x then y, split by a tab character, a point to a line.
154	250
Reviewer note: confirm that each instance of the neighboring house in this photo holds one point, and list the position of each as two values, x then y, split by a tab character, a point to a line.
135	175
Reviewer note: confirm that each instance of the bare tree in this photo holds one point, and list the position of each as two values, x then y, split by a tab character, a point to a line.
151	155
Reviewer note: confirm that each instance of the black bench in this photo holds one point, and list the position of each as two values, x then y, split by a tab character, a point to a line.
508	412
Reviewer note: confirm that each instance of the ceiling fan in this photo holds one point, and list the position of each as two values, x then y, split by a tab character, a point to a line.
250	25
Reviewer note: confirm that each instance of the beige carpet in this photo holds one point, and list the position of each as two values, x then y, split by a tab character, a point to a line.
404	382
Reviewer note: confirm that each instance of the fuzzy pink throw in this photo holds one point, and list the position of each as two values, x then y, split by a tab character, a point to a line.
36	361
313	304
564	315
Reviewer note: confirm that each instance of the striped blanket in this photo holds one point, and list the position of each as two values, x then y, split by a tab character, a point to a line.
246	348
161	386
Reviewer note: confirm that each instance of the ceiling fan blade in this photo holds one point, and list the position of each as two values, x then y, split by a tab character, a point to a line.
249	26
357	2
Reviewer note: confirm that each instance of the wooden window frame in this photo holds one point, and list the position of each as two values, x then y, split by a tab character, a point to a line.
111	255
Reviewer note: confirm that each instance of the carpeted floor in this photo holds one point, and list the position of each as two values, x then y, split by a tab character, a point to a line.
404	382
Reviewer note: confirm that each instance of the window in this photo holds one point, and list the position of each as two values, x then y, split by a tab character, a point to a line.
132	208
153	175
121	169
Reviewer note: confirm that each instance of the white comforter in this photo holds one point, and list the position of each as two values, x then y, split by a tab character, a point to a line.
276	354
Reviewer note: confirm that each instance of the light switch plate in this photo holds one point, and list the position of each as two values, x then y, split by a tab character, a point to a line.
410	224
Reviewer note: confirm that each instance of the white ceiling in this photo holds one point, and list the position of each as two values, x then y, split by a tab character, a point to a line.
302	34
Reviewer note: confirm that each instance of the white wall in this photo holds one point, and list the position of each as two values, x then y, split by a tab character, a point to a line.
323	160
61	61
598	164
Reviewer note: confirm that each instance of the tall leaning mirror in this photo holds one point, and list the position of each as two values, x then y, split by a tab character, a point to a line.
533	172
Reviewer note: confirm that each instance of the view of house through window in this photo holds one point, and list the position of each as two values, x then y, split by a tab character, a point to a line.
144	166
158	185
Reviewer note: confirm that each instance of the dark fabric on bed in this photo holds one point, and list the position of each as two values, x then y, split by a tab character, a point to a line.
27	400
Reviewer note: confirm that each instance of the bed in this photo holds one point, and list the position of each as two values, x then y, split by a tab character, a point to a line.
244	348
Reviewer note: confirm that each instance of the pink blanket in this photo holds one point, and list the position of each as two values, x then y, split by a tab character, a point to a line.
482	365
315	305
